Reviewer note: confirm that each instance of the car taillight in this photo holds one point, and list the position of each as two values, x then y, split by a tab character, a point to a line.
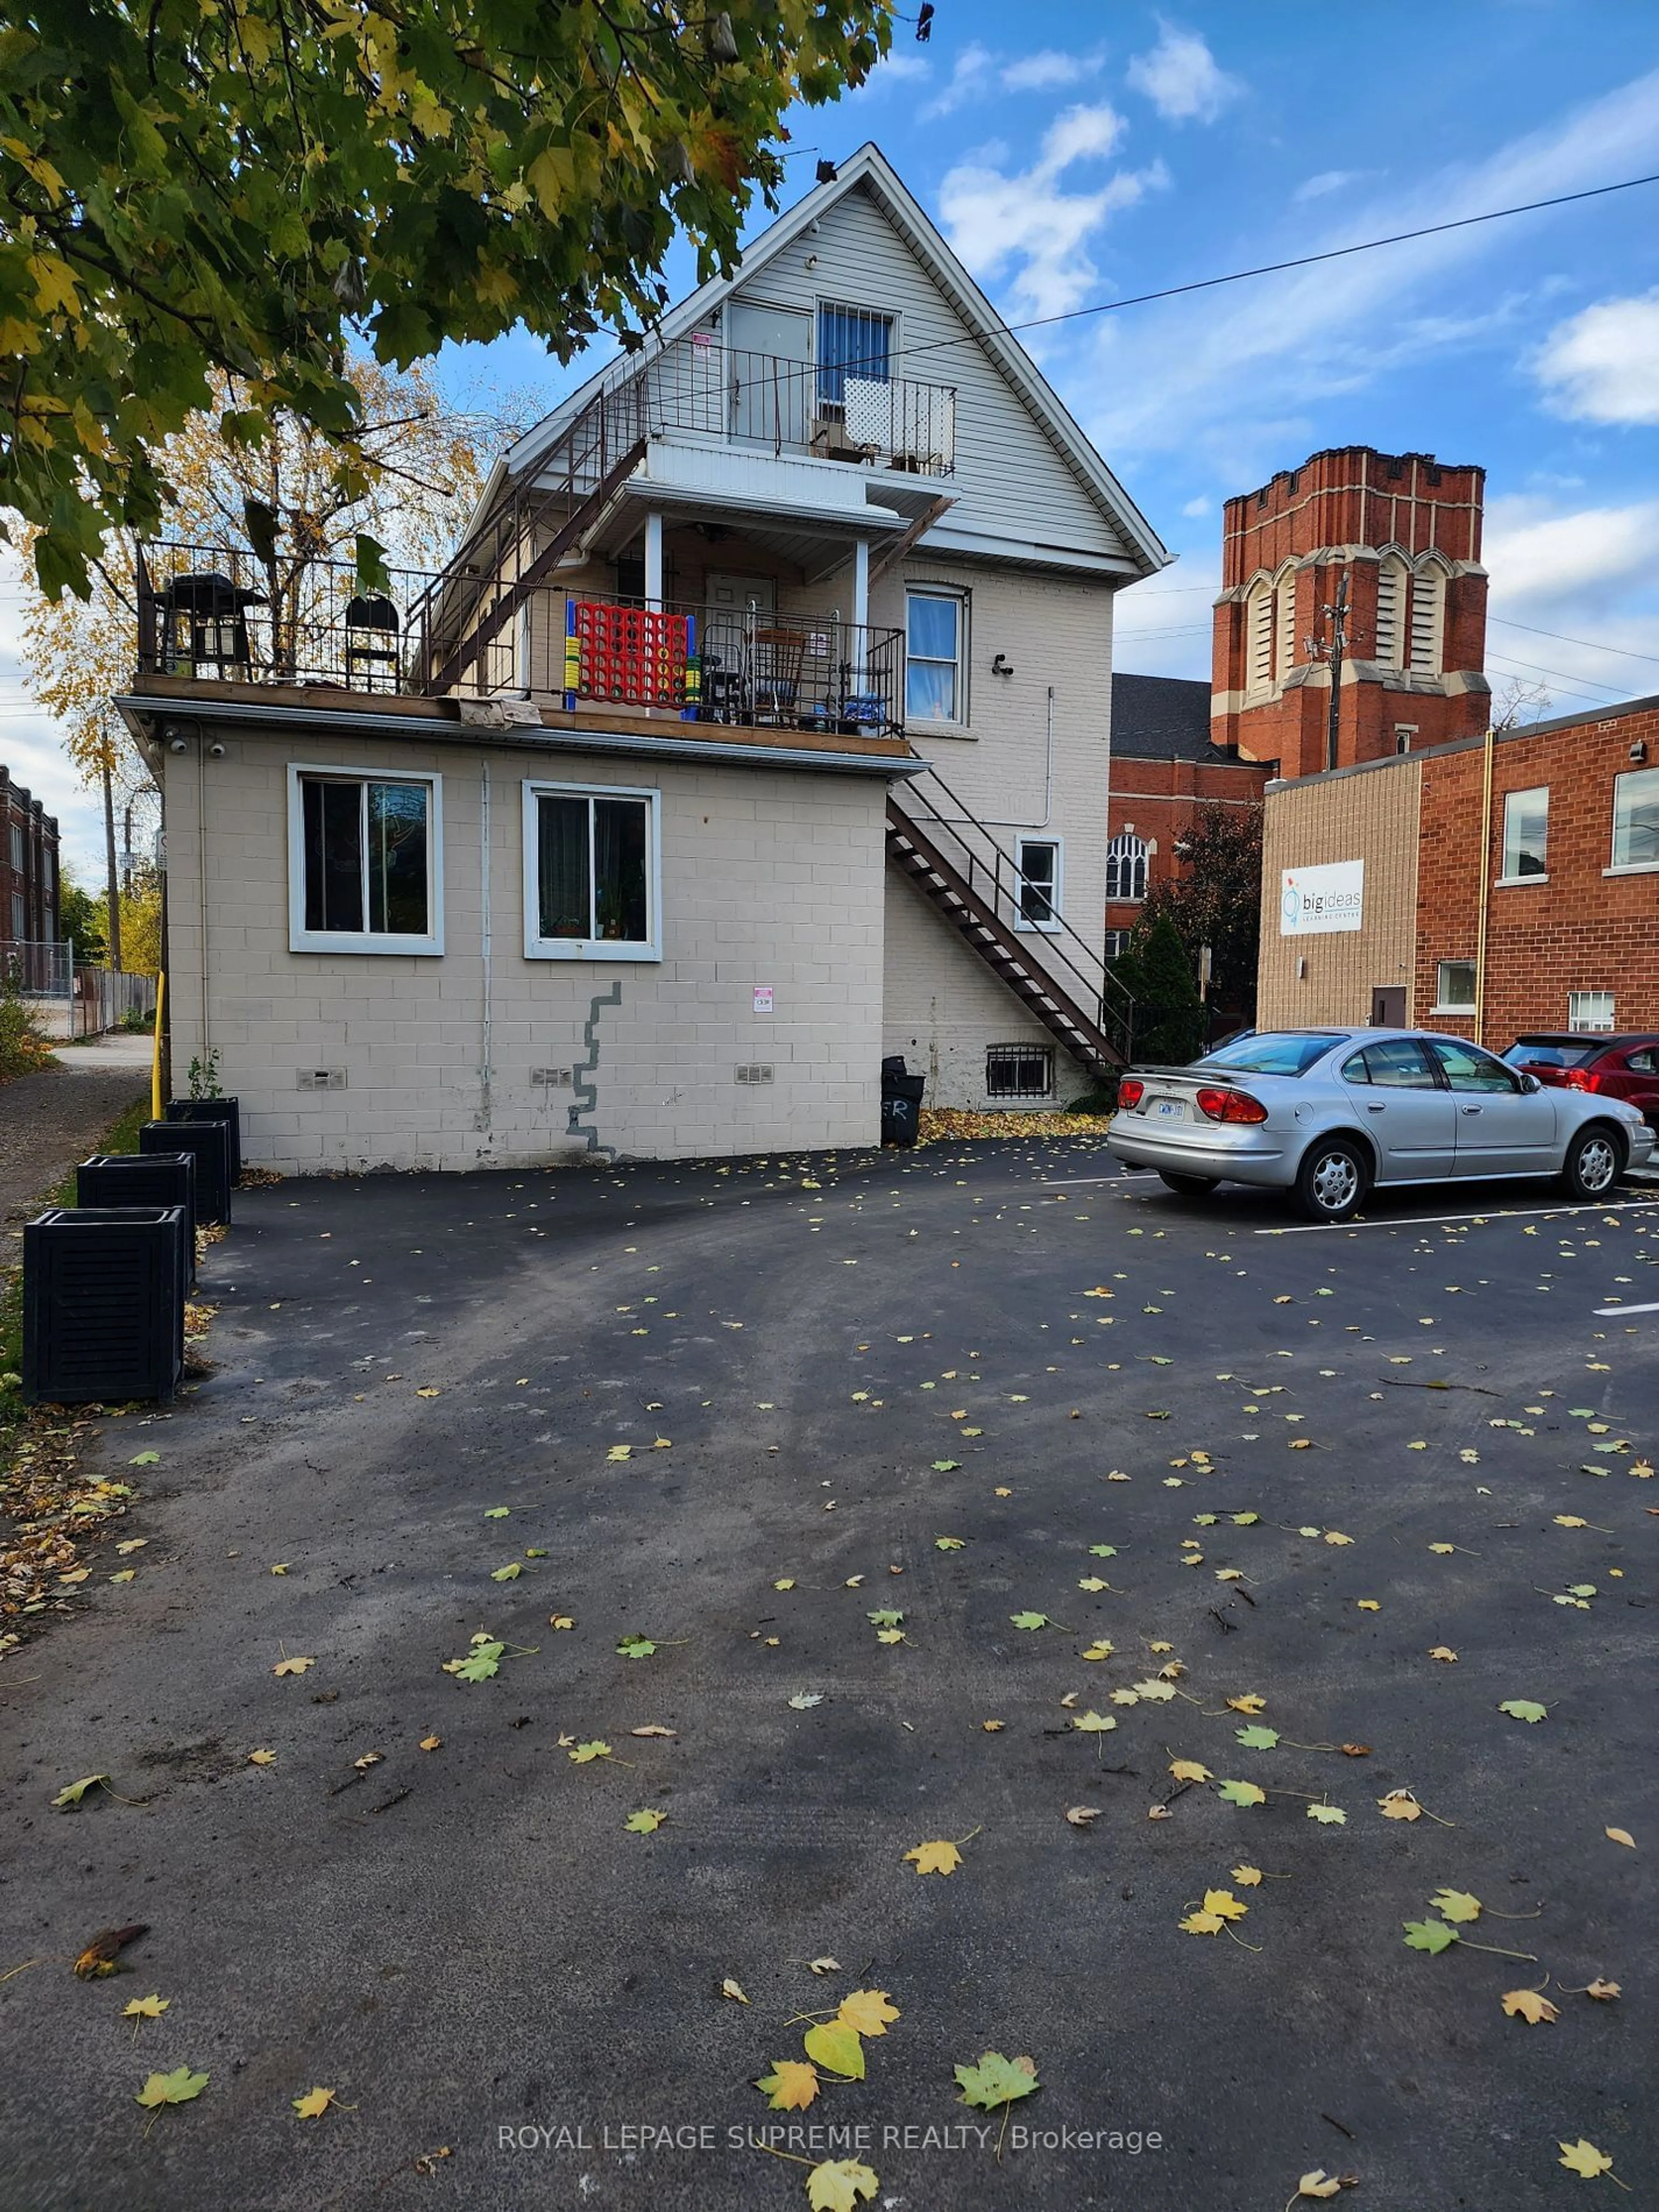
1231	1106
1579	1079
1130	1092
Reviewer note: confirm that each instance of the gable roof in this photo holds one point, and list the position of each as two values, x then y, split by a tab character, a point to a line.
871	170
1162	717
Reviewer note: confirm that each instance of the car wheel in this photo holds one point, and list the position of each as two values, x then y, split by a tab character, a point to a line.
1332	1180
1595	1161
1187	1186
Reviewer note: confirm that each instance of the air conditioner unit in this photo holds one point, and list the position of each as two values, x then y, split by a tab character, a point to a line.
103	1303
227	1110
209	1144
143	1179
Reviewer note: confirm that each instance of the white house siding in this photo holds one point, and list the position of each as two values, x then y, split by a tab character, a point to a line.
769	877
1011	481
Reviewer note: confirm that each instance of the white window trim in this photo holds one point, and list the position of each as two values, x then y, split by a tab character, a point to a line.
538	947
1594	1029
1056	898
957	724
381	942
1440	1007
1516	882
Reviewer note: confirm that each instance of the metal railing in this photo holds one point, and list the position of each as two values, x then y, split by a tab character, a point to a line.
853	412
37	967
995	877
754	666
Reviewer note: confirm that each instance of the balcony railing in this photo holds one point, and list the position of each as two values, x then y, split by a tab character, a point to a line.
854	411
216	613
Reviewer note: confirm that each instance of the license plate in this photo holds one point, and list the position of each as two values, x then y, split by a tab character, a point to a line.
1169	1110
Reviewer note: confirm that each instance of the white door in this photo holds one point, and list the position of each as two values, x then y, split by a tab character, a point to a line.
736	607
768	354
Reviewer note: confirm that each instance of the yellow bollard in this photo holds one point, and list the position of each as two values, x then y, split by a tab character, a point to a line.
155	1056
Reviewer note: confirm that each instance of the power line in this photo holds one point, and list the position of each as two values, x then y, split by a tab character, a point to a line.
1298	261
1589	643
1560	675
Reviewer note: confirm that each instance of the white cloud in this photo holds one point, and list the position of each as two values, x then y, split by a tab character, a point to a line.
1048	70
1182	79
1327	181
1223	366
894	69
1532	553
1574	605
975	66
1602	365
1028	222
1197	507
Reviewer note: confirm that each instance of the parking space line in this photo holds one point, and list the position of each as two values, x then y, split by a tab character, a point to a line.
1130	1174
1611	1313
1488	1213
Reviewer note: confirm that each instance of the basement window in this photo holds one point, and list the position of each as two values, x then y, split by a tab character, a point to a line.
365	862
1453	990
1589	1010
1019	1071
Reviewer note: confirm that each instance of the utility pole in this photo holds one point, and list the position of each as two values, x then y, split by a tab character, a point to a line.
111	881
1337	615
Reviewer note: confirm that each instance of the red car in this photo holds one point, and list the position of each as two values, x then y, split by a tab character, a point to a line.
1621	1067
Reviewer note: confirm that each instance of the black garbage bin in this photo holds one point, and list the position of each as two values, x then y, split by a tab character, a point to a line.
901	1101
143	1179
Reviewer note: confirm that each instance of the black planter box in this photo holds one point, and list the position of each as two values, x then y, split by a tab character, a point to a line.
209	1142
143	1179
228	1110
103	1303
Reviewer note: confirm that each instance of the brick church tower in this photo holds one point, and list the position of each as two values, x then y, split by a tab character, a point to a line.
1402	533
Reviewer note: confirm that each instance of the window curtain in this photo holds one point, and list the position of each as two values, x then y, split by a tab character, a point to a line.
561	868
619	906
851	343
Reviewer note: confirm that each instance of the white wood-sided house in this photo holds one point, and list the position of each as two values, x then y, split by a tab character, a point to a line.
758	729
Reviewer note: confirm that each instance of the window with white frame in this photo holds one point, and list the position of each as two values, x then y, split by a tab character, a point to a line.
1526	834
1117	944
1454	986
365	861
1589	1010
592	876
1126	866
935	636
1039	896
17	849
1636	820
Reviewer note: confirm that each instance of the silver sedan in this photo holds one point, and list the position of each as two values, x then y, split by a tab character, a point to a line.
1326	1114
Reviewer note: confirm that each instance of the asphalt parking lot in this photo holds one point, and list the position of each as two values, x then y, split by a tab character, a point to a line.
732	1413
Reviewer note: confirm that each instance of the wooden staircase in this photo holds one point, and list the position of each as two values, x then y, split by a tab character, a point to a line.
1083	1007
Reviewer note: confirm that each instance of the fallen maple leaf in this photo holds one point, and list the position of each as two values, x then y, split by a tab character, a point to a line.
1248	1703
1528	2005
1604	1992
836	2047
730	1988
652	1728
1524	1709
292	1665
73	1792
837	2184
1241	1793
149	2007
1582	2157
1400	1805
996	2081
1188	1770
1320	2184
262	1758
791	2086
935	1858
1202	1924
177	2087
825	1965
869	2012
644	1823
1445	1651
313	2104
1224	1903
1080	1816
583	1754
1248	1877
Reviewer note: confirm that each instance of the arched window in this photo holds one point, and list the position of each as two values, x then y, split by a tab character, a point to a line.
1285	623
1258	637
1428	617
1126	866
1392	575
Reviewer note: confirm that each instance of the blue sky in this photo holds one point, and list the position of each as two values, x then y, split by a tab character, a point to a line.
1077	152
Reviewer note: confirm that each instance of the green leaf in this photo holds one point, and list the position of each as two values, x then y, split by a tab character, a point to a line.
1102	1551
1093	1723
1329	1816
835	2184
644	1823
1028	1619
1257	1738
496	1512
509	1573
482	1661
995	2081
372	572
1431	1935
175	2088
884	1618
74	1791
584	1754
946	1466
636	1646
1524	1709
145	1459
948	1543
1241	1793
838	2048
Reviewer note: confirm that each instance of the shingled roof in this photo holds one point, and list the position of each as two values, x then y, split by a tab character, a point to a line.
1162	717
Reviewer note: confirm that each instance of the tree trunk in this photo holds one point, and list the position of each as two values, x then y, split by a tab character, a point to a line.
112	884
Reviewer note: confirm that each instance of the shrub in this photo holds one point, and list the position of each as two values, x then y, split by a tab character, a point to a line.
23	1044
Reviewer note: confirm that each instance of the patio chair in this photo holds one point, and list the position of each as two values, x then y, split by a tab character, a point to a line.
774	675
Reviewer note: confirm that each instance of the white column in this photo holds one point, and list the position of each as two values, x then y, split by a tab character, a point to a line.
653	560
860	608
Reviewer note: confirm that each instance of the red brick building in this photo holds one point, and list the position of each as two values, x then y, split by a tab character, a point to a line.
1494	888
28	867
1166	768
1398	533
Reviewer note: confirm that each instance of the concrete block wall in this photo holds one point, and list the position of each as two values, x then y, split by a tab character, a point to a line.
769	878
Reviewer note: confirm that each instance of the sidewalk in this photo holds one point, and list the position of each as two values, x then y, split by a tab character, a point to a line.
49	1119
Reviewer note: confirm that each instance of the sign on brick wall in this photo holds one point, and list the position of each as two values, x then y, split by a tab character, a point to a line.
1313	900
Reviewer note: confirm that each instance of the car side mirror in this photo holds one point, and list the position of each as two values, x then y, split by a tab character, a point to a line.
1530	1083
